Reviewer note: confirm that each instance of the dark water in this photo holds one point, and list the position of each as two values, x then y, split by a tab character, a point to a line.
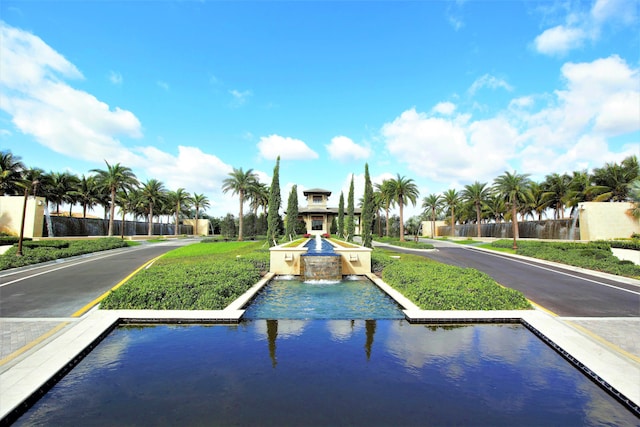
324	248
325	373
352	298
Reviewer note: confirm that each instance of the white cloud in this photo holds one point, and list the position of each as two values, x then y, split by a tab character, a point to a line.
239	98
344	149
287	148
559	40
581	26
444	108
490	82
34	93
115	78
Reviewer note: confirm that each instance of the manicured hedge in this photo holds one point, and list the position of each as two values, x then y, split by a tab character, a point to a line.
37	252
435	286
194	277
9	240
593	256
411	244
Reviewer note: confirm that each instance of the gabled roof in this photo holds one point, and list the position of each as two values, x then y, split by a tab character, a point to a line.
316	191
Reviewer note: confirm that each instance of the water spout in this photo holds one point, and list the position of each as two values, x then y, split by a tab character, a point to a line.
318	243
47	217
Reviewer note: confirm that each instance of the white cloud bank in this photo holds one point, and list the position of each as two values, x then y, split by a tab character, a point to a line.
35	93
344	149
580	27
272	146
599	100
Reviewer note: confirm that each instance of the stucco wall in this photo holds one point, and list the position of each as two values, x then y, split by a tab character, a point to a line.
203	226
426	228
11	215
606	221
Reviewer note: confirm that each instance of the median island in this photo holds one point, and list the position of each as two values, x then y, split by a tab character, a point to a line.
209	276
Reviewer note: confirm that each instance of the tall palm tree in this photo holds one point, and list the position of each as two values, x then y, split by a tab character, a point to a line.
240	183
451	199
378	204
556	189
200	201
258	195
476	194
513	188
29	183
180	199
432	203
615	180
404	191
63	185
10	173
87	193
536	203
114	178
152	192
386	190
129	202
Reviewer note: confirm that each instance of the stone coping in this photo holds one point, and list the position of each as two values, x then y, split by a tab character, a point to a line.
25	382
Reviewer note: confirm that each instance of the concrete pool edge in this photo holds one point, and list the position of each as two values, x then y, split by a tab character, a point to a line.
30	378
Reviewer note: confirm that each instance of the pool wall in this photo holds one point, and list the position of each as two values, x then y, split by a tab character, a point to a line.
287	260
32	376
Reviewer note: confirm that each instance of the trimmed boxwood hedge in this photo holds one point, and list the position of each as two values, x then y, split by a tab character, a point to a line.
593	256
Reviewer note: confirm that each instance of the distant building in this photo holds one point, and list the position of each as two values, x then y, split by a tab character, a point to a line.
318	216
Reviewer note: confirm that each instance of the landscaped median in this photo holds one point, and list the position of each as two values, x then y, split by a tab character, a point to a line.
435	286
209	276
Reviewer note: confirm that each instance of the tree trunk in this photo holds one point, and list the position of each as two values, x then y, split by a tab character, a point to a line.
177	217
240	222
401	221
478	218
514	222
387	220
196	227
150	232
453	222
112	209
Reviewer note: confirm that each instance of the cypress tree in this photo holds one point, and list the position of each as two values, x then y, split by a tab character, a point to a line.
341	216
367	210
292	213
273	215
351	224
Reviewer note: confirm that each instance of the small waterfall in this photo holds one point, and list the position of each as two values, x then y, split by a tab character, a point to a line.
572	230
47	218
320	262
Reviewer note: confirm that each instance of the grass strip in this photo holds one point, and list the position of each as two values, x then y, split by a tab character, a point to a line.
194	277
435	286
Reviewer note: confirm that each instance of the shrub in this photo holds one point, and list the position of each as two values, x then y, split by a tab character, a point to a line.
49	250
434	286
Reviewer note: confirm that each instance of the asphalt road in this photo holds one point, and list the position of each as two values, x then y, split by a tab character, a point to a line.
563	291
60	289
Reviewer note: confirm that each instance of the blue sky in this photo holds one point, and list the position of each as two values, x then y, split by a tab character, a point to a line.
443	92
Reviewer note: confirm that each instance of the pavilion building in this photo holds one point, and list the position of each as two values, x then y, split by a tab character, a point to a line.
318	216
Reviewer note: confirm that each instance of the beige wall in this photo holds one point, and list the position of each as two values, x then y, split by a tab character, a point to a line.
606	221
11	215
203	226
356	260
426	228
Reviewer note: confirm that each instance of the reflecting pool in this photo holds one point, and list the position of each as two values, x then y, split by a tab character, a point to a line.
354	297
325	373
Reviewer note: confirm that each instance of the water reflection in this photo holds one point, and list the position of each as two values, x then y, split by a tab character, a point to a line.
350	372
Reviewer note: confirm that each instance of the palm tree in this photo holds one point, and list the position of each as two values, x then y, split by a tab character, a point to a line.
129	202
180	198
152	192
634	192
433	204
87	193
62	188
556	189
378	204
536	203
615	180
386	190
258	197
476	194
240	183
29	182
451	199
112	179
10	173
404	190
199	201
513	188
